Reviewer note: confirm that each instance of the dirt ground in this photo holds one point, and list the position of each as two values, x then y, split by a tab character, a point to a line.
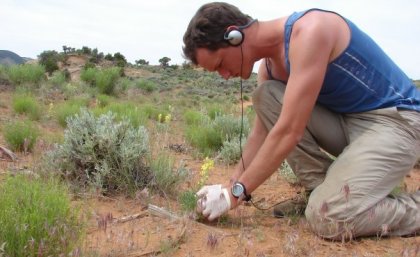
119	226
246	231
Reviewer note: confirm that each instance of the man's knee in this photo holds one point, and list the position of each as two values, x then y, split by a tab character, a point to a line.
326	224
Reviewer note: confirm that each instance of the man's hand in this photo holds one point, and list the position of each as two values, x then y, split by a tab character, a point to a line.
213	201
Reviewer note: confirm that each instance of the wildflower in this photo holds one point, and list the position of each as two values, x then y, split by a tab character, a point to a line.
160	117
204	173
50	107
168	118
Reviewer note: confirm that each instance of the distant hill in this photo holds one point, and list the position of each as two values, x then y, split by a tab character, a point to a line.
10	58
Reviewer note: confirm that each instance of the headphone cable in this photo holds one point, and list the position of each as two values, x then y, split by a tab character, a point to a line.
241	132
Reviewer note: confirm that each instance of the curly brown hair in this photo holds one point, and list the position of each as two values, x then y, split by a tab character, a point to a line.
208	25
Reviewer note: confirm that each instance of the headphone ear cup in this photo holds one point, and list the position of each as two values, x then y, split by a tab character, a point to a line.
234	36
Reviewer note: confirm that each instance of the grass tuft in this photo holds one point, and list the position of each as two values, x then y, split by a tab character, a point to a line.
36	218
20	135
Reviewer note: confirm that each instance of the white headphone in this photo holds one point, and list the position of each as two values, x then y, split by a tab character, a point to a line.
234	34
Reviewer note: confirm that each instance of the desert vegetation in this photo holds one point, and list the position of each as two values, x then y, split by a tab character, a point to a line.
89	141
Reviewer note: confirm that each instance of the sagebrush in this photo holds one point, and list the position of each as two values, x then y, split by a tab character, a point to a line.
102	153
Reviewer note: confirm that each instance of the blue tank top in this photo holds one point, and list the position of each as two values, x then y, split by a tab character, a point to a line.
362	78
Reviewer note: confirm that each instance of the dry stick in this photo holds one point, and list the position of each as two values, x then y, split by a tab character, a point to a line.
6	152
130	217
160	212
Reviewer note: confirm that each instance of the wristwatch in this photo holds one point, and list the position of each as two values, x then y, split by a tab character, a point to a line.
239	191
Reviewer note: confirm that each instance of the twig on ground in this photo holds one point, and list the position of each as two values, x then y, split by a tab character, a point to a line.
4	152
130	217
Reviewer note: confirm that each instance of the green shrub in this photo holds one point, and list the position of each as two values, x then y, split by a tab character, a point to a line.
230	152
123	84
103	100
26	104
188	200
165	177
105	80
37	218
229	126
214	111
135	115
89	75
209	135
153	112
68	109
193	117
26	73
20	135
101	153
205	138
146	85
58	78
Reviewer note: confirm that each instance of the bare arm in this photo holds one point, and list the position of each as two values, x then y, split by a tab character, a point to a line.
256	137
308	65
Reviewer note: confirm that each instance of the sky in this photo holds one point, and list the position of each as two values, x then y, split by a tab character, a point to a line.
152	29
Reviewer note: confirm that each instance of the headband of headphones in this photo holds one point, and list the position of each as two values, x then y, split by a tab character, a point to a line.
234	34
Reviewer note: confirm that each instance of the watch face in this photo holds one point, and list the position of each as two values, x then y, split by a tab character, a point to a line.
237	190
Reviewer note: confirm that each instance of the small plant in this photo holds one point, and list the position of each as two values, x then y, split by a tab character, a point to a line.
214	111
188	199
123	84
164	119
207	165
103	100
209	135
101	153
231	151
37	218
20	135
137	116
153	111
287	173
69	109
146	85
165	177
193	117
26	104
205	138
58	78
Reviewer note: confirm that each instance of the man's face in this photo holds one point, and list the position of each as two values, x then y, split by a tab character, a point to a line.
226	61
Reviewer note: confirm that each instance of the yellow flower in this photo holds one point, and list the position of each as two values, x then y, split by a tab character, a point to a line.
204	173
160	117
50	107
168	118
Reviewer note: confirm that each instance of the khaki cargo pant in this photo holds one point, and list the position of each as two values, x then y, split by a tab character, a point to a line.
374	151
